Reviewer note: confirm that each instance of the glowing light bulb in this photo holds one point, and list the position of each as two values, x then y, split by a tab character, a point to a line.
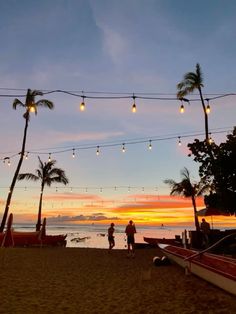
32	108
134	108
150	145
179	143
9	162
82	105
181	108
208	109
26	155
73	153
49	157
210	139
98	151
123	148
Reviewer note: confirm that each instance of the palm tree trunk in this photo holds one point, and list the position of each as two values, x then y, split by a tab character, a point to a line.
195	214
38	225
8	202
205	115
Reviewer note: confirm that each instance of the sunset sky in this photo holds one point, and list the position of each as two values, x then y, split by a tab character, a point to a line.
116	48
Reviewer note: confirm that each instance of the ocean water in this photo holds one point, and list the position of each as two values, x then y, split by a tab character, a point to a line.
95	235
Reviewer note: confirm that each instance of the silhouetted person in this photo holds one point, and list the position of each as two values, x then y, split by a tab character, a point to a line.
205	228
111	238
130	230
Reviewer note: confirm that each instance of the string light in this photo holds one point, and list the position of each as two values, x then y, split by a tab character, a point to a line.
208	108
134	109
26	155
179	143
73	153
181	107
49	157
123	148
124	144
150	145
210	139
32	108
82	104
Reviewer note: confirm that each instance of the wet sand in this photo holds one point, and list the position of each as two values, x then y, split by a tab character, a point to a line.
72	280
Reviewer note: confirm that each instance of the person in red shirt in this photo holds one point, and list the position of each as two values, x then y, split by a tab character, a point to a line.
130	230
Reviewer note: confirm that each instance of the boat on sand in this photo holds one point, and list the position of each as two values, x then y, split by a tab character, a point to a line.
216	269
157	241
11	238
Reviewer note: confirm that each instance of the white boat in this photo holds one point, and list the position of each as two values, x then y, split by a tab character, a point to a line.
216	269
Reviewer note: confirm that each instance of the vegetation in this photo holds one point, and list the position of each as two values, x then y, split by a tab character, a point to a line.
187	188
47	174
220	174
30	106
194	81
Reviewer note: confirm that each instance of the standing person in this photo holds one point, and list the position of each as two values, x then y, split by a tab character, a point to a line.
205	228
111	238
130	230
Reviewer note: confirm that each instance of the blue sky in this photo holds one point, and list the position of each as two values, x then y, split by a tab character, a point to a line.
120	47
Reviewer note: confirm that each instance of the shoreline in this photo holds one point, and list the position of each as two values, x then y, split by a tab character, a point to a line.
88	280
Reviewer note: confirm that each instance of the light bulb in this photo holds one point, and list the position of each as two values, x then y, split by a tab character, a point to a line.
32	108
134	109
181	109
98	151
123	147
179	143
49	157
82	105
208	109
150	145
73	153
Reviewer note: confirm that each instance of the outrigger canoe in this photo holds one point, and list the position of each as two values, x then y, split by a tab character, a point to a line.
157	241
11	238
216	269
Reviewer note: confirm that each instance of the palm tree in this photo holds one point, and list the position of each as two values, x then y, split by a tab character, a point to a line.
47	174
30	106
194	81
188	189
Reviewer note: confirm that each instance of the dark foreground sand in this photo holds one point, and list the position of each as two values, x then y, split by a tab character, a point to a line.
71	280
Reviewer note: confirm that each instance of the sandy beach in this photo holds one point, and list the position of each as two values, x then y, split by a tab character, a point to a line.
72	280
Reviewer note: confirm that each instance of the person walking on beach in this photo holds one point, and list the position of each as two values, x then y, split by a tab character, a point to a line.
111	238
130	230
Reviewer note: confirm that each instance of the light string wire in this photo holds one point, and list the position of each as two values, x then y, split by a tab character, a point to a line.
108	145
119	95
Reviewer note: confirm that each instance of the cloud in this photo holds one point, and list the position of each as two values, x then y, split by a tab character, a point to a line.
80	218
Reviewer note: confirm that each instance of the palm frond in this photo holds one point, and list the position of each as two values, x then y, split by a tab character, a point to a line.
27	176
45	103
16	103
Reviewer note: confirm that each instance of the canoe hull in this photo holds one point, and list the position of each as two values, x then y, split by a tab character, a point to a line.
218	270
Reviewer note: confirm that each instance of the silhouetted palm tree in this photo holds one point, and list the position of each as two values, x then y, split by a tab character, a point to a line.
47	174
194	81
188	189
30	106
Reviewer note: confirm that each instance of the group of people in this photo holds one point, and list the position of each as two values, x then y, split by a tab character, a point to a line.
130	230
